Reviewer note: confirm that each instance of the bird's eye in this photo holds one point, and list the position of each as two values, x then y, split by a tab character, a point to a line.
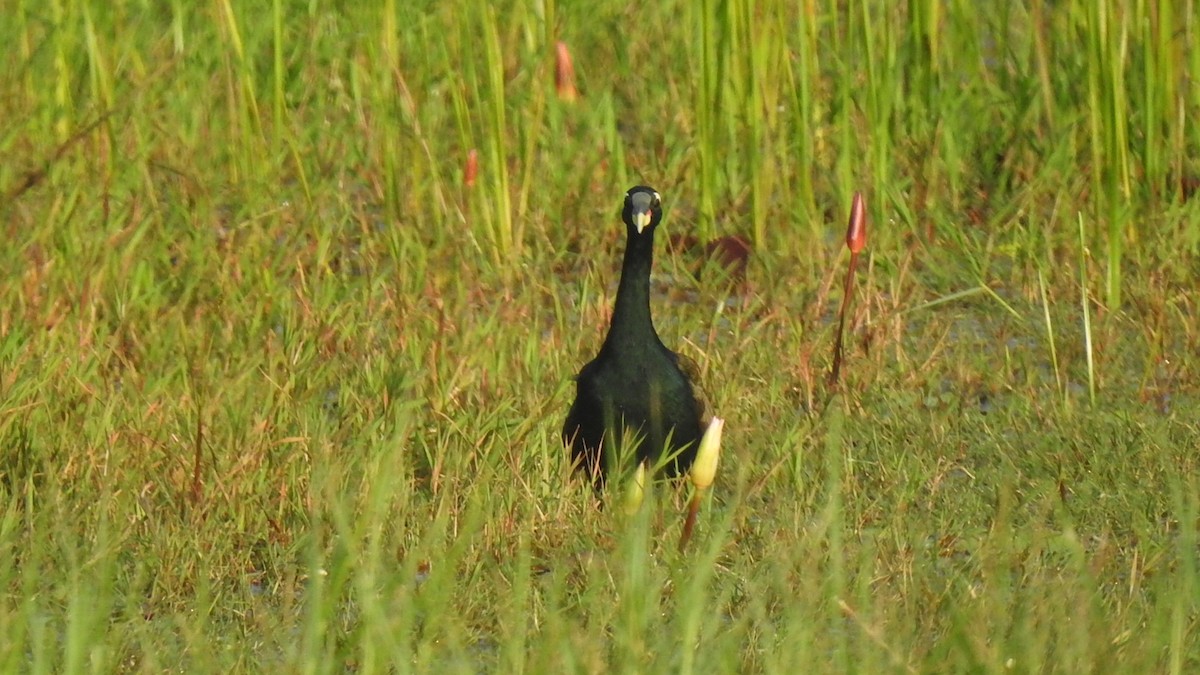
657	200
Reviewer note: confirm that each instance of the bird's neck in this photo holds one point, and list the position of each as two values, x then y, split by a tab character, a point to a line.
632	329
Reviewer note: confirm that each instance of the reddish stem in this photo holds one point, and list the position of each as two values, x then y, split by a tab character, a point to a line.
856	239
690	523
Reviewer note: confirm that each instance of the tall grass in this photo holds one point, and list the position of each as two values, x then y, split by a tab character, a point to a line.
280	391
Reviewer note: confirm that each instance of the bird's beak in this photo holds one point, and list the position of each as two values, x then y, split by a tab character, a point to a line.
641	220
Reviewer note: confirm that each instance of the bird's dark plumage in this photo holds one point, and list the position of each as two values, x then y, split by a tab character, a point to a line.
634	390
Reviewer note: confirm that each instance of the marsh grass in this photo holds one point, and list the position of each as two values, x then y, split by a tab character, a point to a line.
279	392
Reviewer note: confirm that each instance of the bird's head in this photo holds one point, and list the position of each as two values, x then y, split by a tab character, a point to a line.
643	209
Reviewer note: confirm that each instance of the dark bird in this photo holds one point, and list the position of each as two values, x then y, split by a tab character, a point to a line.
634	396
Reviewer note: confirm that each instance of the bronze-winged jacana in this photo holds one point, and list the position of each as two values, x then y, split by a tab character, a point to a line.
634	391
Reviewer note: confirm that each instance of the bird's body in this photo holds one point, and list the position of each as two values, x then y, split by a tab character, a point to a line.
634	391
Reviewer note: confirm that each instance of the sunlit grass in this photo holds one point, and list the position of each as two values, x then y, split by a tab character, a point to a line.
281	392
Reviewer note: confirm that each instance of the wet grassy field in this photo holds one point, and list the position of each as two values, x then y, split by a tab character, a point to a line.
292	295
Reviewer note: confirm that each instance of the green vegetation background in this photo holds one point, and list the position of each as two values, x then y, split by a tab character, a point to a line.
281	392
